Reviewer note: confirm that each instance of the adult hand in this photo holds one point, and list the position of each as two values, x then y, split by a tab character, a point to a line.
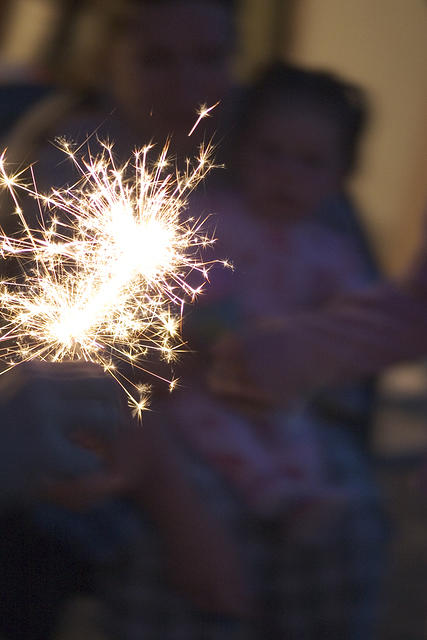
231	374
43	405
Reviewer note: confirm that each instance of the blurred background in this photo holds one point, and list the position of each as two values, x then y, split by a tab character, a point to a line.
379	44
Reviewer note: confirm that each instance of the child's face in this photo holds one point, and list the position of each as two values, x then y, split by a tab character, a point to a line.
291	162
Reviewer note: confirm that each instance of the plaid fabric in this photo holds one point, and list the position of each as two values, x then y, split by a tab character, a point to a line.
139	601
330	590
301	590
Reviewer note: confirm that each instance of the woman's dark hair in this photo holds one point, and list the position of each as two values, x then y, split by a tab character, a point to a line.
228	4
128	15
343	102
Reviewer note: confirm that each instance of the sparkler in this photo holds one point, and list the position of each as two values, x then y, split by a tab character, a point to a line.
106	276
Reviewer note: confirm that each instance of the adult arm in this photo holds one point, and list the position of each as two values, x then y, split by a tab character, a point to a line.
356	336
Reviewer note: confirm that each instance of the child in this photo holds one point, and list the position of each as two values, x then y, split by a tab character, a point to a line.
297	143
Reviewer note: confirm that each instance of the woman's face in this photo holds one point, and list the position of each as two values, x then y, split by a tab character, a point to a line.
175	58
291	161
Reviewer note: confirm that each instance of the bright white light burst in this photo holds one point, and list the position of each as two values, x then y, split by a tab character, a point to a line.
106	276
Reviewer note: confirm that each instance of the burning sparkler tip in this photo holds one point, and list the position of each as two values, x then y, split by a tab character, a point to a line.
107	266
203	112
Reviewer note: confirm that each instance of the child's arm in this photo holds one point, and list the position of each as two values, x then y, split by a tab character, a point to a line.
202	557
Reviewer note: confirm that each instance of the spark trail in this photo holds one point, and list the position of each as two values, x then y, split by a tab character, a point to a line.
106	276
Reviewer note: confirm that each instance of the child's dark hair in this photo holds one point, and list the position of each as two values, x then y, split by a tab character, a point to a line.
322	91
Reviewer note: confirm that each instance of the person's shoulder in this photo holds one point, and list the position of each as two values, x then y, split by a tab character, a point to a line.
332	255
329	240
316	235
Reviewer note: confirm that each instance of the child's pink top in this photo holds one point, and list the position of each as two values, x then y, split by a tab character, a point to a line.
273	458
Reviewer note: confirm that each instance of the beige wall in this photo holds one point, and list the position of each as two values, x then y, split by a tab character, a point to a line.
254	26
381	44
30	27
